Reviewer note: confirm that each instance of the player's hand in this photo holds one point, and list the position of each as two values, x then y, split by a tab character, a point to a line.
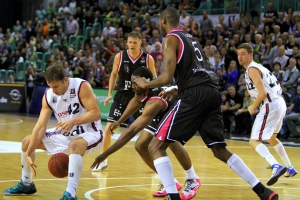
64	127
141	82
30	164
251	109
168	96
107	100
113	126
98	160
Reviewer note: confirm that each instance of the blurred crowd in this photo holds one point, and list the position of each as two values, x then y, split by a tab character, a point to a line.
275	38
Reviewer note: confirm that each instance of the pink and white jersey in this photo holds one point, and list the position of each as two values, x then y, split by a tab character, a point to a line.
271	84
69	106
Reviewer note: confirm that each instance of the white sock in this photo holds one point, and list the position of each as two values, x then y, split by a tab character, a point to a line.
165	172
265	153
190	173
75	169
282	153
239	167
26	171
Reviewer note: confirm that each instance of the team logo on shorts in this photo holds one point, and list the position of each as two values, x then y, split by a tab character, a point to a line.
72	93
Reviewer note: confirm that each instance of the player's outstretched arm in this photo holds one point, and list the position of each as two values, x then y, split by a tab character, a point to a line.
113	78
89	101
39	129
170	45
150	111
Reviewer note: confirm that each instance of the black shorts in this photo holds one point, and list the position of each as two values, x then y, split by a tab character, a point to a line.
152	127
118	107
197	108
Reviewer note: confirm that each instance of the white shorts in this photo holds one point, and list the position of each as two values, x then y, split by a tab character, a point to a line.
269	120
56	143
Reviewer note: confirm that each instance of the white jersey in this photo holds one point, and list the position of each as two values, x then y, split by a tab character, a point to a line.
271	84
69	106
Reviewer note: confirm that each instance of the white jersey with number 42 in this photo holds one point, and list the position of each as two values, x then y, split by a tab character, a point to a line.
69	106
271	83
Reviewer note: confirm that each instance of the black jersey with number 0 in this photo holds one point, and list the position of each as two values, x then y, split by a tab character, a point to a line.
126	67
192	68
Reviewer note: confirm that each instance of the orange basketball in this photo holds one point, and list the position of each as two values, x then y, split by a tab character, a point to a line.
58	165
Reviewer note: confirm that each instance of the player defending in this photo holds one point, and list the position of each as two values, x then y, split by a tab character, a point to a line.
197	107
77	132
265	89
125	63
154	107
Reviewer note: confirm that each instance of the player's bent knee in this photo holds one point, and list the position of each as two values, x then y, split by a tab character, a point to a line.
77	146
140	148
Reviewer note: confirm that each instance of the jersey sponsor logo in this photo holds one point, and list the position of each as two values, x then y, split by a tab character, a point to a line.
126	61
127	85
63	114
143	60
117	113
126	68
160	138
72	93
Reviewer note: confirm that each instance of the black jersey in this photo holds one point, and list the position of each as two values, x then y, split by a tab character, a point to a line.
153	95
126	67
192	68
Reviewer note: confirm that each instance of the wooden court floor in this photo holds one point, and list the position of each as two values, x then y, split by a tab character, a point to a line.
127	177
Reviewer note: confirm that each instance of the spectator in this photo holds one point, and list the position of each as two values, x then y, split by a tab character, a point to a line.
266	56
184	19
271	15
258	48
107	30
290	79
225	58
281	58
72	27
46	43
206	23
275	51
44	29
72	7
86	64
276	34
232	74
278	73
242	83
281	22
234	102
267	33
290	45
157	50
4	60
30	80
243	117
11	79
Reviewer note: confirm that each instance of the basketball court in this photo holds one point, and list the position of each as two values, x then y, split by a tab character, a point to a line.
127	177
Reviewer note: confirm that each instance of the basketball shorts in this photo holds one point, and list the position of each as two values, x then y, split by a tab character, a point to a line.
118	107
56	142
269	120
197	108
152	127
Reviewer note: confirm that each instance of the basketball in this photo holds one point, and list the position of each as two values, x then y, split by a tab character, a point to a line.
58	165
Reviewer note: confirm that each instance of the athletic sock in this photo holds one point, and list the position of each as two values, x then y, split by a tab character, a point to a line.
26	171
265	153
190	173
282	153
165	172
75	169
239	167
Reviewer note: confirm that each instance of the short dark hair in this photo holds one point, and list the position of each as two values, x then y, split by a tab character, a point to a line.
143	72
172	16
55	72
134	34
277	63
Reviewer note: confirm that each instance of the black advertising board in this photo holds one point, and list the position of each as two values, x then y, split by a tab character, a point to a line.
12	97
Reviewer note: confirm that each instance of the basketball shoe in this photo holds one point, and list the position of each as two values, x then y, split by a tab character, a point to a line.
278	170
268	194
191	187
290	172
102	166
162	192
67	196
21	188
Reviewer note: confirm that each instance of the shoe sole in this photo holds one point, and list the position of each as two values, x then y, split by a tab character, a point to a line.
273	196
274	179
101	169
166	194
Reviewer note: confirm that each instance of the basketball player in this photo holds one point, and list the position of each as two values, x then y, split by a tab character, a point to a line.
77	132
197	106
125	63
154	108
265	89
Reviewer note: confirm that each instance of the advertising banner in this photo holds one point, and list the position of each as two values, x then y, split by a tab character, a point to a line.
101	95
36	101
12	97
